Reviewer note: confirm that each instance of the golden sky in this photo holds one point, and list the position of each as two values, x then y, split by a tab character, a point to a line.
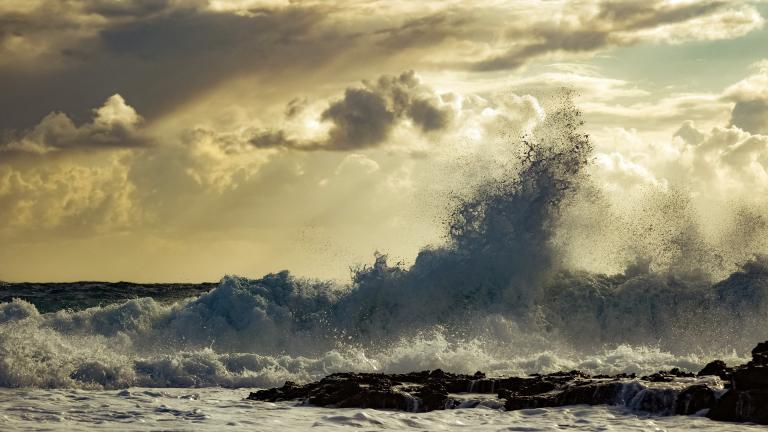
170	140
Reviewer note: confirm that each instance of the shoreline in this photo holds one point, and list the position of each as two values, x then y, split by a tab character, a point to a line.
719	392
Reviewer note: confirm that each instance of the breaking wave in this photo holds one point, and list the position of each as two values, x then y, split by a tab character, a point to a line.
496	297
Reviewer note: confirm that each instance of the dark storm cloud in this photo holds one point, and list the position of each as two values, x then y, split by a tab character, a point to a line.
750	101
361	119
365	116
427	116
158	55
751	116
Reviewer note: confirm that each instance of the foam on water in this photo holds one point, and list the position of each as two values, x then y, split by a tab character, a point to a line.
216	409
496	297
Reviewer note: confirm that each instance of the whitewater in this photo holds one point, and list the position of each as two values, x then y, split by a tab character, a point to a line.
497	297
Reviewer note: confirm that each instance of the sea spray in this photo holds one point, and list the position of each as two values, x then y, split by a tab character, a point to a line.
497	297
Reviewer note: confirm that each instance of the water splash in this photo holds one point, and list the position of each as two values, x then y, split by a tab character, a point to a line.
497	297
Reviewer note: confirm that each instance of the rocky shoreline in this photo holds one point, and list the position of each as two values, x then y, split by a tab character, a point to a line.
736	394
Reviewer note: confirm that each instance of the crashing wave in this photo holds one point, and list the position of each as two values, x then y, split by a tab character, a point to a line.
496	297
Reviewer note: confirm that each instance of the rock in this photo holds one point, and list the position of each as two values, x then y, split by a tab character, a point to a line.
288	391
760	353
659	401
741	406
600	393
659	376
745	401
750	377
432	397
667	376
716	368
377	399
694	399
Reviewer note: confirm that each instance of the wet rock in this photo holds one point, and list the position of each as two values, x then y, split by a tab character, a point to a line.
579	393
760	354
659	401
432	396
750	377
716	368
374	398
741	406
694	399
667	376
288	391
747	400
422	391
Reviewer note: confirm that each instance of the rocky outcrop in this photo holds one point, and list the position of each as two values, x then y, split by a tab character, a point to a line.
745	397
435	390
717	368
694	399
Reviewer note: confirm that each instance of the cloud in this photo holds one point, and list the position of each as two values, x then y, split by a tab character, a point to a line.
362	119
716	165
365	117
750	97
114	125
70	198
163	54
588	27
158	55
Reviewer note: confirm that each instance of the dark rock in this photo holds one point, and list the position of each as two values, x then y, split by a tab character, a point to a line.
659	401
659	376
716	368
741	406
432	397
750	377
377	399
746	401
760	353
527	402
694	399
600	393
667	376
588	393
288	391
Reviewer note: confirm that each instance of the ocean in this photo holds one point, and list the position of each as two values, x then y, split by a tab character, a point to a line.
496	297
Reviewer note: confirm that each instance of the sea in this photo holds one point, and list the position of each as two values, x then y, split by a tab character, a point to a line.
496	296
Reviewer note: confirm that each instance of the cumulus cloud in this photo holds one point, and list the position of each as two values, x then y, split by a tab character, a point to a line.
70	198
715	165
365	117
114	125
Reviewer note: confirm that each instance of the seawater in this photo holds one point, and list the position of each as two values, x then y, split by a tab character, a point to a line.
496	297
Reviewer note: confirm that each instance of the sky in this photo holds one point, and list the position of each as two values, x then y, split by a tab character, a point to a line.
169	140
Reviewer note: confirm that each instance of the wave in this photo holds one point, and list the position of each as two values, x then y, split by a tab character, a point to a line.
497	297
